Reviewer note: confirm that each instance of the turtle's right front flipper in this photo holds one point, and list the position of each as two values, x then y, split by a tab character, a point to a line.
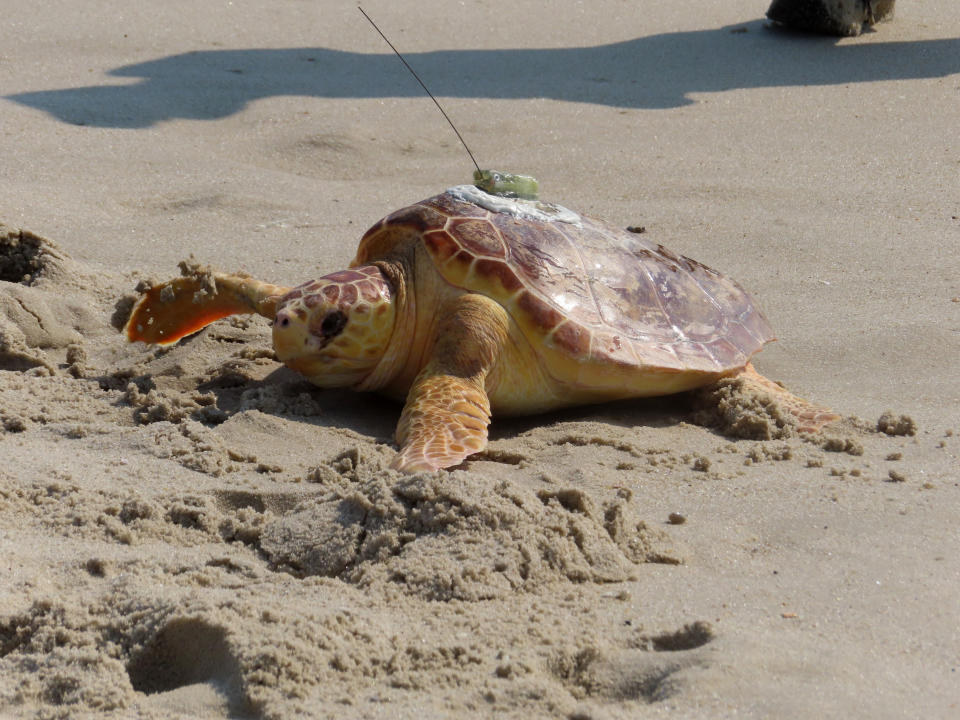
447	412
179	307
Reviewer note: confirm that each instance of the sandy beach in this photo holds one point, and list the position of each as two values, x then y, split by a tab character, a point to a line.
197	532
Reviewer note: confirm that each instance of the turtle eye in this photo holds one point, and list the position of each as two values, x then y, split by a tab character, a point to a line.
333	324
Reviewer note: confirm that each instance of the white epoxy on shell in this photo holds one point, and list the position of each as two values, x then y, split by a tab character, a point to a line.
526	209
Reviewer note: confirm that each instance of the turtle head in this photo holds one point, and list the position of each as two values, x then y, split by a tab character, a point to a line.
335	330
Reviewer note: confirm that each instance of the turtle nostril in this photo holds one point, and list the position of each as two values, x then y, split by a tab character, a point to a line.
283	320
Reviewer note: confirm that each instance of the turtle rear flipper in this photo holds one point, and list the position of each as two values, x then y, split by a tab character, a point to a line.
179	307
809	416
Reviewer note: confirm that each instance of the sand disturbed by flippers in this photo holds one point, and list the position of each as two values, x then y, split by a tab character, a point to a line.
244	550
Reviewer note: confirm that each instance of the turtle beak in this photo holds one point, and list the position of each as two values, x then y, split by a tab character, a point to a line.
289	335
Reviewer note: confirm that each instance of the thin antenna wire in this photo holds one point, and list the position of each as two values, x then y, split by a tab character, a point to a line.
413	72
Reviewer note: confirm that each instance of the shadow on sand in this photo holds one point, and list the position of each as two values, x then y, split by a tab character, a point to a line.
649	72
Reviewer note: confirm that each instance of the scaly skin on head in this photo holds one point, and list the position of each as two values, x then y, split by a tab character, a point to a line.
335	330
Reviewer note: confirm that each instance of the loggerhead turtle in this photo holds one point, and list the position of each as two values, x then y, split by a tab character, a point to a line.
467	304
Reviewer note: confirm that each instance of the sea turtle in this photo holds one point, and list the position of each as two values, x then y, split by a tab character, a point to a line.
467	304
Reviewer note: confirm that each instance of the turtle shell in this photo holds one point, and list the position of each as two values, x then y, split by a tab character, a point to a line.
593	292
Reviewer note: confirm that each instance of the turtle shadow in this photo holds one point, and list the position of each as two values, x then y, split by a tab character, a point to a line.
654	72
375	416
655	412
367	414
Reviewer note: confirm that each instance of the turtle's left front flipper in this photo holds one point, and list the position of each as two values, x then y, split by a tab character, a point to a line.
179	307
447	412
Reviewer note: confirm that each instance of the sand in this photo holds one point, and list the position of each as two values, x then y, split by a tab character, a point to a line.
198	532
